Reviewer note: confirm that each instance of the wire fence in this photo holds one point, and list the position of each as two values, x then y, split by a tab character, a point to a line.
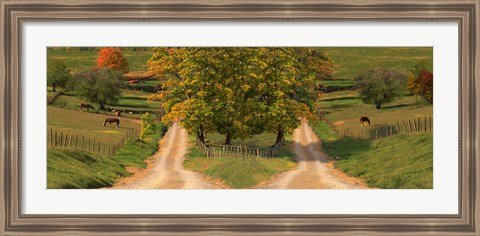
240	151
413	125
61	139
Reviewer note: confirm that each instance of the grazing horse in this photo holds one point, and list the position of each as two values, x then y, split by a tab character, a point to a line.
85	105
364	121
111	120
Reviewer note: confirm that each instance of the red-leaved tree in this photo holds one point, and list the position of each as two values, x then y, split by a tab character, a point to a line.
113	59
425	79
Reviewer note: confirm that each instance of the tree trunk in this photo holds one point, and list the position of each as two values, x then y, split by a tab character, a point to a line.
201	134
279	134
228	139
378	106
53	88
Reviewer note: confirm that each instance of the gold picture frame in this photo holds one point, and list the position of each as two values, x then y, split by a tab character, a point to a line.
13	13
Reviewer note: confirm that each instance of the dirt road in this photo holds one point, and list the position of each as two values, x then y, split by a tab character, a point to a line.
166	169
314	170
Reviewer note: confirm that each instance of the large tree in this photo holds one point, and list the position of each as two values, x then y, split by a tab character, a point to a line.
239	92
58	75
379	86
99	85
112	58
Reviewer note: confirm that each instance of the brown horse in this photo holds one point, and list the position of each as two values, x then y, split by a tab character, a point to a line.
85	105
111	120
364	121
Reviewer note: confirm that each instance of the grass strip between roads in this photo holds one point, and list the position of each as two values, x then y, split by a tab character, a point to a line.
78	169
239	173
398	162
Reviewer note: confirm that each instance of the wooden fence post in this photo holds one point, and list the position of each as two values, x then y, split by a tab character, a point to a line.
61	139
76	140
419	126
51	136
398	127
425	126
431	126
410	125
404	126
376	134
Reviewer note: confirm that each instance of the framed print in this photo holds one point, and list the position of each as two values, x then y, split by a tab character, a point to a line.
234	117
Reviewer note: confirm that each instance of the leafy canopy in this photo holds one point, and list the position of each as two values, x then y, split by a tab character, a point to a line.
113	59
239	91
379	86
99	85
58	75
420	79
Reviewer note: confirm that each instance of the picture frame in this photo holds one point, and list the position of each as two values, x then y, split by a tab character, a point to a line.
14	13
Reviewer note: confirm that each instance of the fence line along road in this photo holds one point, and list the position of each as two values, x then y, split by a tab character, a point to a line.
414	125
61	139
239	151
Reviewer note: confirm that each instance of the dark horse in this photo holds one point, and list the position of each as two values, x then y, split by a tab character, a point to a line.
364	121
111	120
85	105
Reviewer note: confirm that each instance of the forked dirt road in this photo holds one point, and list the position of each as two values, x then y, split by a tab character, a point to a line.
166	170
314	170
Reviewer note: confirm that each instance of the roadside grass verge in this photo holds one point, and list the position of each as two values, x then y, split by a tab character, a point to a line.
398	162
69	168
239	173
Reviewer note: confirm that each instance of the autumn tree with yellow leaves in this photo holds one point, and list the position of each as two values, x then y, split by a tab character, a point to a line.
239	91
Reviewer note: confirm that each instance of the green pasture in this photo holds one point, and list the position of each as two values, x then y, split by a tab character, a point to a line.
81	60
398	162
342	109
131	101
88	124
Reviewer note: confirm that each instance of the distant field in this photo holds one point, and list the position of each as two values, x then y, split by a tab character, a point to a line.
354	60
88	124
80	60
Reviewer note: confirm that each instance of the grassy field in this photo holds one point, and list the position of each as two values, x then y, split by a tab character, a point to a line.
354	60
131	101
88	124
80	60
241	173
397	162
69	168
342	109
